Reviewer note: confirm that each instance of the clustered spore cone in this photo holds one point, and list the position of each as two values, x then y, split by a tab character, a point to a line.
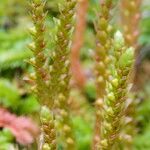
52	82
103	45
59	73
114	104
40	78
38	47
48	127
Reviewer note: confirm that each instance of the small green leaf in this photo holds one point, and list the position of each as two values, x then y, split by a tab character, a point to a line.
126	58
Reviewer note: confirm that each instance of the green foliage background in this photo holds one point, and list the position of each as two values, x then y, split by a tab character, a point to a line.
15	94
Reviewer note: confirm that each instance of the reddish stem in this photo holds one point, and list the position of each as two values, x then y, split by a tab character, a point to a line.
77	70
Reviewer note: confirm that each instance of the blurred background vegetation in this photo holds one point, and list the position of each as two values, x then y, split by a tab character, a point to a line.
15	95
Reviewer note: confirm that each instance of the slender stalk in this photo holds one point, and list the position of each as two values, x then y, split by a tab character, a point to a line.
78	41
